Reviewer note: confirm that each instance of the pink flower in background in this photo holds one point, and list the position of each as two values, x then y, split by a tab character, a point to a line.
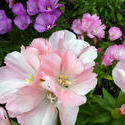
22	21
32	7
48	5
3	117
99	50
77	26
46	21
114	52
114	33
5	23
122	109
18	9
118	74
90	26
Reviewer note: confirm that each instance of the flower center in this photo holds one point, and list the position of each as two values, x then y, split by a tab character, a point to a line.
51	97
49	8
48	27
63	80
31	78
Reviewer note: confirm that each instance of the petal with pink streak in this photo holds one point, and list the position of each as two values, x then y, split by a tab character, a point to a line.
44	114
89	55
3	117
8	87
24	100
118	74
50	64
85	82
67	40
68	115
16	62
71	64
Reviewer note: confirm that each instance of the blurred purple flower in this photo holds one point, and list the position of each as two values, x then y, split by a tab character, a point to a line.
5	25
48	5
46	21
22	22
18	9
11	3
32	7
2	14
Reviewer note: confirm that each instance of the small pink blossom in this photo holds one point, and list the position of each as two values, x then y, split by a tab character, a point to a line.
99	50
3	117
11	3
114	33
114	52
77	26
122	109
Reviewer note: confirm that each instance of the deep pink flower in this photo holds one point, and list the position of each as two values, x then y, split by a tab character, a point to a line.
46	21
114	52
18	9
22	22
48	5
3	117
99	50
32	7
77	26
122	109
114	33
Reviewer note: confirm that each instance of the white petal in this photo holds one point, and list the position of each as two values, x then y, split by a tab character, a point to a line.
67	40
89	55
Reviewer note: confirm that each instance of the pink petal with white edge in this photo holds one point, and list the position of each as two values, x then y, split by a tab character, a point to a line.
9	87
118	74
16	62
67	40
24	100
68	115
3	117
89	55
85	82
44	114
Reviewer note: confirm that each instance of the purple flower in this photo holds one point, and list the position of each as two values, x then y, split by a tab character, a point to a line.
48	5
22	22
2	14
32	7
19	9
10	2
46	21
5	25
114	33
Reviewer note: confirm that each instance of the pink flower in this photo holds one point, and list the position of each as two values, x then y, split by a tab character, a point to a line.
122	109
114	52
118	74
93	26
114	33
3	117
77	26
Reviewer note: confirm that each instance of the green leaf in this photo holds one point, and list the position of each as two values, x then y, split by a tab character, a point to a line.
13	122
116	113
109	98
101	118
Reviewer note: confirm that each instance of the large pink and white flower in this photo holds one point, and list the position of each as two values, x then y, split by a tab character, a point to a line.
114	33
118	74
3	117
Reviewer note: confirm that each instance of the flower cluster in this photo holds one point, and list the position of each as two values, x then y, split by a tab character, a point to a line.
5	23
47	76
47	10
114	52
90	26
